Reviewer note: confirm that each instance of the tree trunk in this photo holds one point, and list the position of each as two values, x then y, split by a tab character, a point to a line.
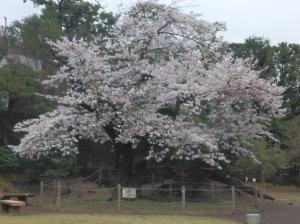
124	163
130	162
5	136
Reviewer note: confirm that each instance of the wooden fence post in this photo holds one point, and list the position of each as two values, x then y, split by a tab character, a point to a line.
41	193
183	198
119	197
170	191
100	178
98	194
233	199
54	192
212	191
261	198
58	194
255	195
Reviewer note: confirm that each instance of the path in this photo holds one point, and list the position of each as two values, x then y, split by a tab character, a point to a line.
277	212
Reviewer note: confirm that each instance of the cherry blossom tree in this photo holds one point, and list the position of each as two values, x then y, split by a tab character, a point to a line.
161	85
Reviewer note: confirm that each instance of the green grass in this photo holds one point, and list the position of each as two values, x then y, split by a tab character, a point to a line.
109	219
142	206
285	193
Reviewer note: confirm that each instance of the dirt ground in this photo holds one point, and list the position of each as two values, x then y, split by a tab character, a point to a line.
276	212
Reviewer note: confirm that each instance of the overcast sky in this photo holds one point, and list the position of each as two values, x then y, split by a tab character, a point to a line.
278	20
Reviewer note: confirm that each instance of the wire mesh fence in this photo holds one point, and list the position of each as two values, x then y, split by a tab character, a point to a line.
171	198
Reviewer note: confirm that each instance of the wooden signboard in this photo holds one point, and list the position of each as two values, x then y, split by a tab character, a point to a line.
129	192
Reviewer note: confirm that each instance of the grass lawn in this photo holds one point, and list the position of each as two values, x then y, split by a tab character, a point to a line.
108	219
285	193
145	207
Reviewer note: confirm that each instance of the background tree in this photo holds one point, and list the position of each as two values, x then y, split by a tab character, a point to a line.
287	67
279	62
34	31
260	50
8	39
21	83
79	18
289	130
271	160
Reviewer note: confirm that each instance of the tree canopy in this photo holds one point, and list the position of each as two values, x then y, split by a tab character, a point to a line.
144	86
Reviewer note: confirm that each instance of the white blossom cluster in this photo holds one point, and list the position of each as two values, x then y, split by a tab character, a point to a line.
152	79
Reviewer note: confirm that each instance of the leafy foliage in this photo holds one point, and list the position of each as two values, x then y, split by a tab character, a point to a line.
291	138
34	31
260	51
8	159
270	161
20	83
280	63
78	18
53	165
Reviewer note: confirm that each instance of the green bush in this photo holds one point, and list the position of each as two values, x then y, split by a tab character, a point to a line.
8	160
53	165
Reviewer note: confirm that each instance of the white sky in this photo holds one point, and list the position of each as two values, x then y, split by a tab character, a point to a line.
278	20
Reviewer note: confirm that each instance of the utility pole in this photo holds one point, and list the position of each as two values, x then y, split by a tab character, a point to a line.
5	22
